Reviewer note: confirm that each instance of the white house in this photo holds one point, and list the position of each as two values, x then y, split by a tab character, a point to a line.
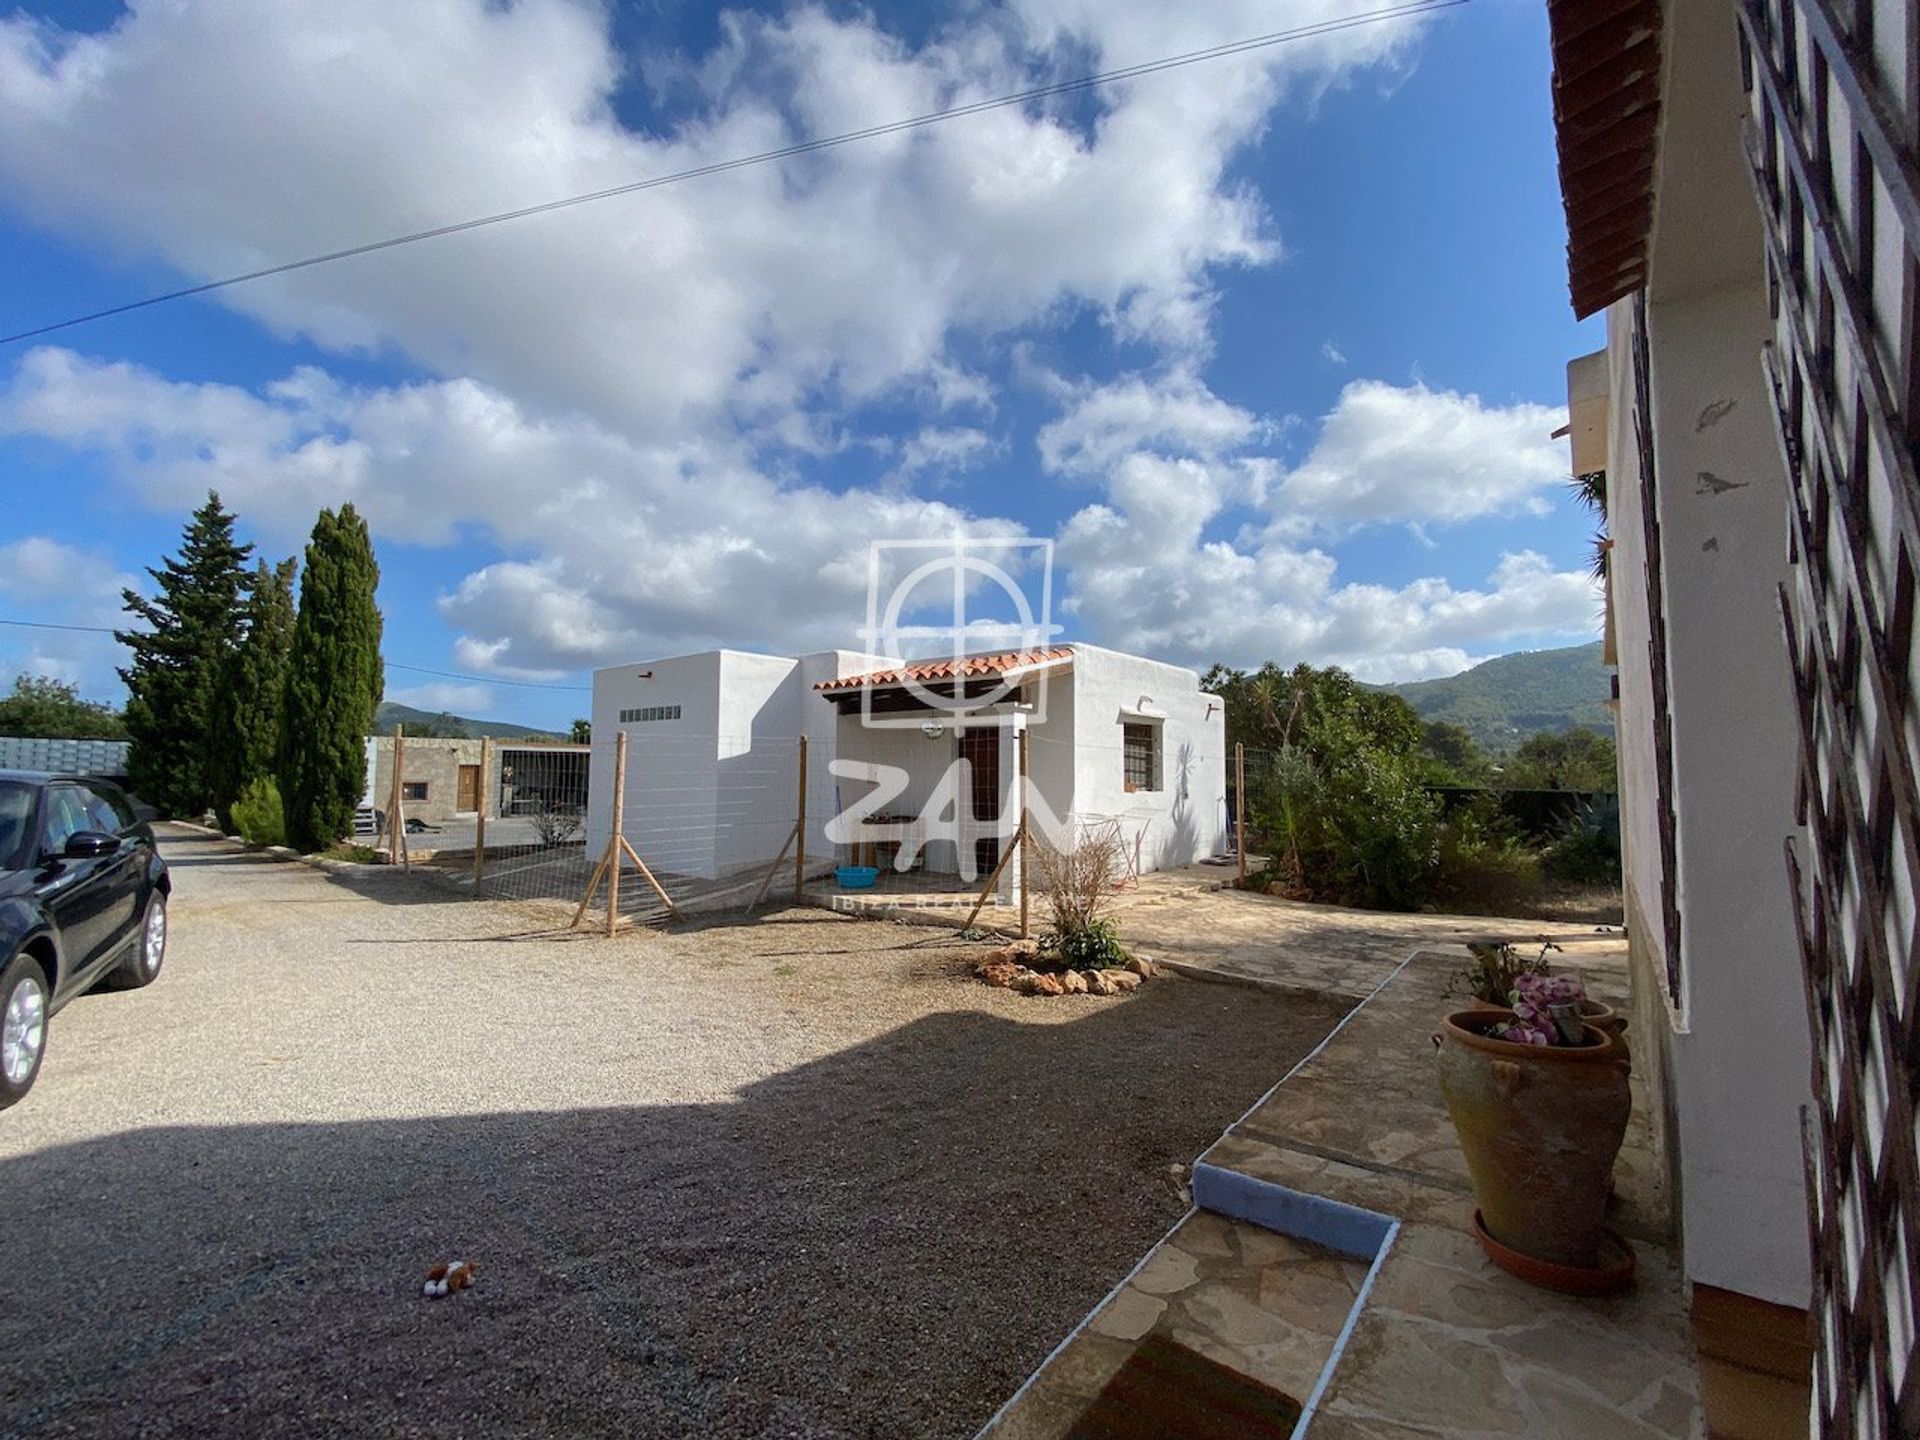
713	763
1742	203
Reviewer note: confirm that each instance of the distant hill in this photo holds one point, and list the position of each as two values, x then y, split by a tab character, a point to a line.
1503	700
390	715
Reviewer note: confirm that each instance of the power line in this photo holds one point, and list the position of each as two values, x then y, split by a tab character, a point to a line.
488	679
390	664
785	152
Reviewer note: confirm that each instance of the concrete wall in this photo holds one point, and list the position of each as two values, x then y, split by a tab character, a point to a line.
1737	1048
1742	1068
714	791
672	765
436	764
1185	818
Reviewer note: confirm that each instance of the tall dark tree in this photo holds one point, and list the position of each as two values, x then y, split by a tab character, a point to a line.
246	734
334	682
193	623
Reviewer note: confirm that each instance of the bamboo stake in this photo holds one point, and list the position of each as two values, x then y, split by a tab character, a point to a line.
800	828
617	839
1240	807
480	830
1020	833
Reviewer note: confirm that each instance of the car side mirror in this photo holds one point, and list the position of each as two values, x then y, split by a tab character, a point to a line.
89	844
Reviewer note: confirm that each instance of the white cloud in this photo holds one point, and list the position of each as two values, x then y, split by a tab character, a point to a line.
1408	453
942	451
1332	353
53	583
613	393
732	298
1173	413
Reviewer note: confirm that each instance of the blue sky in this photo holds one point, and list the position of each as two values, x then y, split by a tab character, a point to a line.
1269	347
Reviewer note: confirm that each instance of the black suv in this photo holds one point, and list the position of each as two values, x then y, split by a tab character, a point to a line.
83	898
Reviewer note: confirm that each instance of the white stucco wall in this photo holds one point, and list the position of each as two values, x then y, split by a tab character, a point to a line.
714	792
1742	1068
1185	818
672	765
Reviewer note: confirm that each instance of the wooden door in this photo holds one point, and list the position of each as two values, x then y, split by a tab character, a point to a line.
469	788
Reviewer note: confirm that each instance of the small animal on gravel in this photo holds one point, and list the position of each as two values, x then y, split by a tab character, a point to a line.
445	1278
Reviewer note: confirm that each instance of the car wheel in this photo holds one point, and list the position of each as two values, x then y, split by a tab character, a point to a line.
23	1027
148	950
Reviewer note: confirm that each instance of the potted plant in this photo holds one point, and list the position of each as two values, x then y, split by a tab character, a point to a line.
1539	1099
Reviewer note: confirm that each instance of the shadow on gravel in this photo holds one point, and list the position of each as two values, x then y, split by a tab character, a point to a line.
881	1243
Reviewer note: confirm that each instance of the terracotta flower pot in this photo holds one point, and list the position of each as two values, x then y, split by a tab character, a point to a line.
1605	1017
1540	1125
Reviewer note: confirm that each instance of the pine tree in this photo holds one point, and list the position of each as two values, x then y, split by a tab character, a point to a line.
246	734
334	683
193	623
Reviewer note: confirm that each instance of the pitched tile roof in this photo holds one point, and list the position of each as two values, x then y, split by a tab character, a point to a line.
1606	116
966	667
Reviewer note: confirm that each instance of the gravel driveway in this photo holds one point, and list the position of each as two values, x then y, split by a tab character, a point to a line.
794	1178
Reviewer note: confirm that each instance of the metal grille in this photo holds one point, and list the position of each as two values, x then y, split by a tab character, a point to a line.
1657	652
1831	140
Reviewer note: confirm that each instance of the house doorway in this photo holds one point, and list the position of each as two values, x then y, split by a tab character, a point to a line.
980	748
467	796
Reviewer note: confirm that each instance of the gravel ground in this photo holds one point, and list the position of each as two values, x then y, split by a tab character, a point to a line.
795	1178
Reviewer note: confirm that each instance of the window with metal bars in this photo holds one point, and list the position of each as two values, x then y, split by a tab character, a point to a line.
1140	746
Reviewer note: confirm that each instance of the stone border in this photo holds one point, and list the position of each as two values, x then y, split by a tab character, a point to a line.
1345	1229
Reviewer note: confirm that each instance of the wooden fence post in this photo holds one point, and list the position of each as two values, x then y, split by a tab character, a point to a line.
619	829
397	849
480	828
800	829
1020	831
1240	807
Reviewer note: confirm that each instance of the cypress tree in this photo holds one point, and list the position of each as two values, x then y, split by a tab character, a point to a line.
193	623
247	714
334	683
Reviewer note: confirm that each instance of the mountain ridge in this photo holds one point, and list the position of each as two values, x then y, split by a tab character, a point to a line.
391	713
1503	700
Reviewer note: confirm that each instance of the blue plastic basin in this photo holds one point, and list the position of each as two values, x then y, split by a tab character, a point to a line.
856	877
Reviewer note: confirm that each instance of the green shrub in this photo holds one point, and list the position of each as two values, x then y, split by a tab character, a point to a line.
1587	851
1483	866
257	814
1094	947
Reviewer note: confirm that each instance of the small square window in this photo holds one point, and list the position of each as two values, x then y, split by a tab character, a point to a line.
413	789
1140	755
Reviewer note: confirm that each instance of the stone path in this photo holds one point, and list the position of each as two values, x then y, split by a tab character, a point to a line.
1445	1345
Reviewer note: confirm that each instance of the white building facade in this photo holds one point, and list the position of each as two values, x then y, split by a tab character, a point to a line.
917	764
1742	186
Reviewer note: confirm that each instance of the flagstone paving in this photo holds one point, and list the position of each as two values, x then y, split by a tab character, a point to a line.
1445	1344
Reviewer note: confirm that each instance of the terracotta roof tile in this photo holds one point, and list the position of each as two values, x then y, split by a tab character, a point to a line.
966	667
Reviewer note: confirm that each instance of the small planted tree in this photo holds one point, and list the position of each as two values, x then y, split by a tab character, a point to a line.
334	682
1079	880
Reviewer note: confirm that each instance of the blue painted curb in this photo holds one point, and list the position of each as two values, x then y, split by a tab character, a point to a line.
1346	1229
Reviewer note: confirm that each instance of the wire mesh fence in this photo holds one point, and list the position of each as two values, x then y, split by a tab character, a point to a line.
860	819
